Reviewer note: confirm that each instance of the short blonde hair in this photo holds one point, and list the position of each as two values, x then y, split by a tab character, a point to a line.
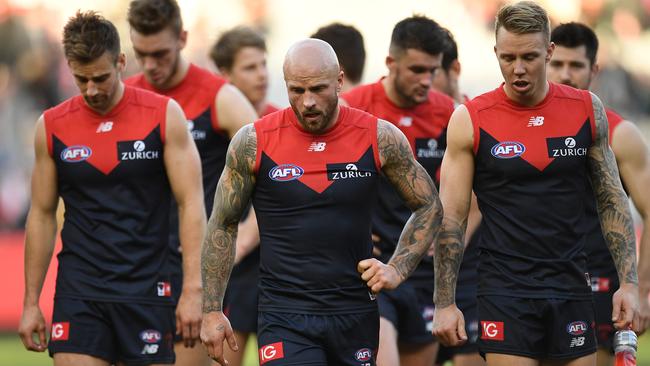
523	18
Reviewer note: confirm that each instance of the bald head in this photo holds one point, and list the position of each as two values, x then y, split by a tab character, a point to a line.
311	58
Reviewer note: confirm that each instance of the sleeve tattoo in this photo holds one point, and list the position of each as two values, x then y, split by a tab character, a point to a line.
447	260
232	196
613	209
416	188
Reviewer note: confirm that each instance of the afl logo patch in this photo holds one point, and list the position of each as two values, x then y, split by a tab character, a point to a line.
76	154
286	172
577	328
508	149
363	355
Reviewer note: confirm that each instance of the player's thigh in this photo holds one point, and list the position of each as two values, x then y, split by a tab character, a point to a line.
191	356
235	358
418	355
588	360
468	359
388	353
81	328
144	333
290	339
604	357
76	359
498	359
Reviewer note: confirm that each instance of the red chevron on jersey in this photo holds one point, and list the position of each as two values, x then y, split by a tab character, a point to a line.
539	135
313	159
95	138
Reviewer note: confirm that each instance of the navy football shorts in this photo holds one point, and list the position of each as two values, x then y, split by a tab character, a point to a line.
303	339
410	309
603	287
240	301
134	334
536	328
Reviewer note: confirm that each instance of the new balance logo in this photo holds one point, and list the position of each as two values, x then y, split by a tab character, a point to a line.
105	127
577	342
536	121
317	146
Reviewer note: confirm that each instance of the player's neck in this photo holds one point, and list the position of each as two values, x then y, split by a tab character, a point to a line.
392	94
179	75
534	98
117	97
260	107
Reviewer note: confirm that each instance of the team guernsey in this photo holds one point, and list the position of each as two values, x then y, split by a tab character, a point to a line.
531	164
425	127
112	179
313	198
196	95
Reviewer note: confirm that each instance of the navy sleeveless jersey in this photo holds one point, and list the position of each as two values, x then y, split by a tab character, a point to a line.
112	179
196	95
425	127
601	266
530	175
313	198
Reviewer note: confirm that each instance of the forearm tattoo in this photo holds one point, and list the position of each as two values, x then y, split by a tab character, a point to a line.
232	196
448	257
416	188
613	209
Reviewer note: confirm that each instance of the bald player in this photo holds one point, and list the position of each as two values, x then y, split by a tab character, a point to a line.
574	64
311	171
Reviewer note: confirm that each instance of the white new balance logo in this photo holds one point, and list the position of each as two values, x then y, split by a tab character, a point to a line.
317	146
536	121
105	127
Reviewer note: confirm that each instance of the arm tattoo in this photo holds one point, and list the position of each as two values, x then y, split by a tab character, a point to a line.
416	188
613	209
232	196
449	255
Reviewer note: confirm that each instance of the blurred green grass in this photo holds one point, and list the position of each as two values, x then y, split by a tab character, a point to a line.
12	353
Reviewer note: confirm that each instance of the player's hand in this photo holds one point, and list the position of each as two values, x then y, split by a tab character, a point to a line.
449	326
625	313
188	316
216	328
378	276
644	311
31	323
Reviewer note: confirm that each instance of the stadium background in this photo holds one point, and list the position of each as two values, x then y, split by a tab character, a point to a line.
34	76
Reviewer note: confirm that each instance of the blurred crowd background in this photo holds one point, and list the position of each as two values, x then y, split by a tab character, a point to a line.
34	75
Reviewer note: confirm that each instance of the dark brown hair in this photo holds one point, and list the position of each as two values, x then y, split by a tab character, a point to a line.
87	36
152	16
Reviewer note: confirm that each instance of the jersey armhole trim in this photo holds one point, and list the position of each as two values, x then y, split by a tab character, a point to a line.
476	133
163	121
214	122
258	148
592	117
375	144
48	136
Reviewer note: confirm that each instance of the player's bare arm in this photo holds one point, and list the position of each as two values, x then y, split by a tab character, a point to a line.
633	160
234	111
218	253
183	167
416	188
455	193
39	241
615	219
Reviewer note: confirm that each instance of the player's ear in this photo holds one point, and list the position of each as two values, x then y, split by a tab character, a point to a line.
121	62
549	51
